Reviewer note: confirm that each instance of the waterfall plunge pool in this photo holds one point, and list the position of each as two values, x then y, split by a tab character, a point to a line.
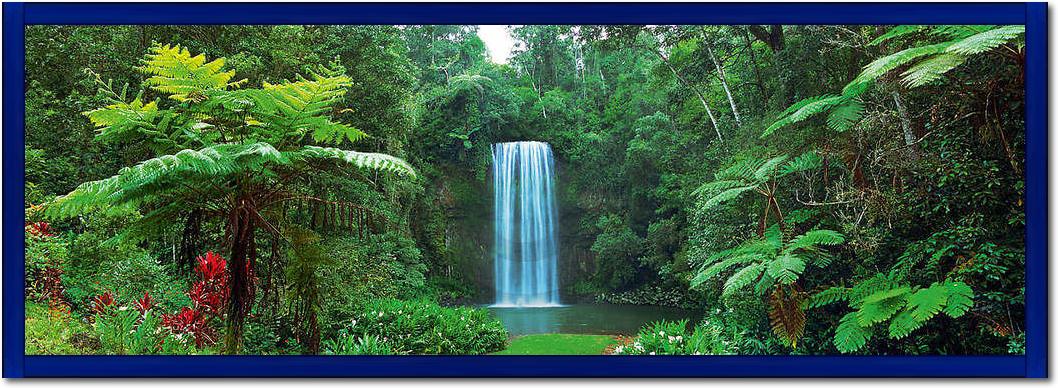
586	318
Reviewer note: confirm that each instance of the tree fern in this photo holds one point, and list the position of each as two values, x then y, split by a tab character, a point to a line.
906	308
176	72
236	154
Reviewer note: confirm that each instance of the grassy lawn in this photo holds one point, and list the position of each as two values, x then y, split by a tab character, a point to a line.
558	344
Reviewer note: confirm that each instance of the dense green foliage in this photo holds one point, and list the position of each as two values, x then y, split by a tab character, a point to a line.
825	188
420	327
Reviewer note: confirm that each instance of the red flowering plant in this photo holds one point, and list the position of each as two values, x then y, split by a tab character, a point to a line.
39	229
103	303
144	304
191	322
209	296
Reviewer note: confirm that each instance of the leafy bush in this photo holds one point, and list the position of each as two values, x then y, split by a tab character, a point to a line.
382	266
346	344
128	331
710	337
650	295
423	327
51	331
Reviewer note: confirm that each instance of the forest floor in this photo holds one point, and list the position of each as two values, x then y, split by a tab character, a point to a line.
559	344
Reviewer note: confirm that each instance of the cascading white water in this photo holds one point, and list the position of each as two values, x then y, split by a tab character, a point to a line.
525	225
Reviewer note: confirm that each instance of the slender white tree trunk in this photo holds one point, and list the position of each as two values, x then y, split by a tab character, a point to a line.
723	81
905	124
701	98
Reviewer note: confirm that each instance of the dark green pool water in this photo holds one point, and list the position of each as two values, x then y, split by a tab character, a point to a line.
585	318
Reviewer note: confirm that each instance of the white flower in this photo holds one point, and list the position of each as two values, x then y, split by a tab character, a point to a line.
661	332
380	314
679	338
652	353
671	338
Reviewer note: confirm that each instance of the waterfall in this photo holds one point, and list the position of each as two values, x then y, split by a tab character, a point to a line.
525	225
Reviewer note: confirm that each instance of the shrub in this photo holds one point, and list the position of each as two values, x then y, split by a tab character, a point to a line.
346	344
52	331
673	338
423	327
650	295
126	331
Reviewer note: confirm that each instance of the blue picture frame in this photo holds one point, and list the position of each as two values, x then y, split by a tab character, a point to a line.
1032	364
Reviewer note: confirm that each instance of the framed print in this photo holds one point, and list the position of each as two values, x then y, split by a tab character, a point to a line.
525	190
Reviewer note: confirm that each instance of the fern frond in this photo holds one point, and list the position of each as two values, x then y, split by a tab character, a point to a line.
174	71
804	109
786	268
804	162
726	195
883	65
895	32
881	306
986	40
903	324
850	336
739	280
829	296
845	115
960	298
927	302
295	108
786	316
930	70
769	168
814	238
367	160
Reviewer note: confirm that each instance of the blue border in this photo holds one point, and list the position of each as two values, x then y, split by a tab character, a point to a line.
14	264
1032	364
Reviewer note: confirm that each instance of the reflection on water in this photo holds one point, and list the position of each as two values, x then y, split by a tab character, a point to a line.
585	318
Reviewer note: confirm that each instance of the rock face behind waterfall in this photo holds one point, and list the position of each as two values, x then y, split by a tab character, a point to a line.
525	225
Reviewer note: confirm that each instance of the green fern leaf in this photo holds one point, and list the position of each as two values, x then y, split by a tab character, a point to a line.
726	195
850	336
926	303
805	109
845	116
174	71
805	162
883	65
903	324
895	32
829	296
786	268
960	298
742	278
930	70
986	40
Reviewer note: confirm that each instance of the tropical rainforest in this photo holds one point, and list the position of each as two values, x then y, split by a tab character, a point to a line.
327	189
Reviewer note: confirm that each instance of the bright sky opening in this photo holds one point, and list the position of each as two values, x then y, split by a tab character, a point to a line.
498	41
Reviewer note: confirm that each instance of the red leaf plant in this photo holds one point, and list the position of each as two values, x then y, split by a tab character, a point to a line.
191	322
103	303
210	293
39	229
144	304
209	296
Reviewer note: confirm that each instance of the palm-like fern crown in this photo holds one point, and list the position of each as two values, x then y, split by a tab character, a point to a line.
751	174
886	297
923	64
215	135
174	71
769	260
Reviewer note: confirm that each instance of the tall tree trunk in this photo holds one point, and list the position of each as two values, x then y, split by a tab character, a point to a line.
701	98
905	125
241	224
756	68
723	81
